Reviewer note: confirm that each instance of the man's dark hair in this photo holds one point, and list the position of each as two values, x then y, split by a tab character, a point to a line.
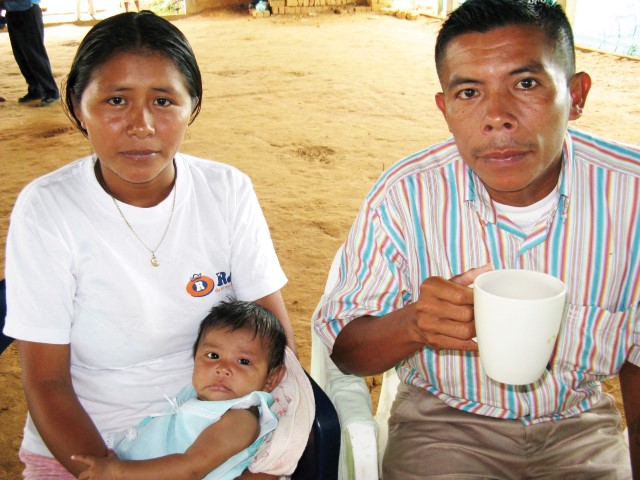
235	315
481	16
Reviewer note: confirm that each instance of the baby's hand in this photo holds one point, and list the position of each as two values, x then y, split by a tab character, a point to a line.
100	468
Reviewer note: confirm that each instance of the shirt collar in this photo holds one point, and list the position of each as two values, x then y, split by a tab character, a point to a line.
477	197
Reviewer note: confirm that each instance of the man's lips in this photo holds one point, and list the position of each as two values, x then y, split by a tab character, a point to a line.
503	156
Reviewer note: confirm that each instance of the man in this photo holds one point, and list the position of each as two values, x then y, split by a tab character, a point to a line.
26	33
514	188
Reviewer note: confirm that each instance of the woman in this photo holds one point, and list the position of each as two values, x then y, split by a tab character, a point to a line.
133	245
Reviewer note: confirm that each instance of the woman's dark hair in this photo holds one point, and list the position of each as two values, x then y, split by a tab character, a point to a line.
142	33
481	16
235	315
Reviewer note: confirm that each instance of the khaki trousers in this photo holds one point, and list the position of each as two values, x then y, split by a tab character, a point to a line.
428	439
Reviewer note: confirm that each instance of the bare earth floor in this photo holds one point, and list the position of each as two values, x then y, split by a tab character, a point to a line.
313	109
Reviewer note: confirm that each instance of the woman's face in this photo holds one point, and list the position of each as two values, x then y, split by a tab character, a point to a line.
135	109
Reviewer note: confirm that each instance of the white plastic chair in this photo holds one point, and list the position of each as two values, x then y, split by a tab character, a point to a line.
364	437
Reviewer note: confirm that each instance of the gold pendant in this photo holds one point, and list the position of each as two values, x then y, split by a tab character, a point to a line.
154	260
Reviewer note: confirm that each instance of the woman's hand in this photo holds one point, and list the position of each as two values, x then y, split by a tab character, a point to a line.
53	404
100	468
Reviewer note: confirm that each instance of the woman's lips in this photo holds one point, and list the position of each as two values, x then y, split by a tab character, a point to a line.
139	154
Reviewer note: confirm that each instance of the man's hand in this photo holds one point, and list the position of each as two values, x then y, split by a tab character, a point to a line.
444	311
442	318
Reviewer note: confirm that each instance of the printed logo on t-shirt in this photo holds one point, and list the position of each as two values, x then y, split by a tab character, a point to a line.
200	285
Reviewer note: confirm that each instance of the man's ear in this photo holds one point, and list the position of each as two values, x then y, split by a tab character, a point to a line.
274	378
579	87
440	103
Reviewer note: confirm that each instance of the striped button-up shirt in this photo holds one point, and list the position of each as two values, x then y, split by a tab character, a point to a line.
430	215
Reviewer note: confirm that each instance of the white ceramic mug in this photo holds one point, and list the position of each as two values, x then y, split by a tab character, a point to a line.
517	315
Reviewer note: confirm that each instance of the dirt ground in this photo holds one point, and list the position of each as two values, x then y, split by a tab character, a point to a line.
313	109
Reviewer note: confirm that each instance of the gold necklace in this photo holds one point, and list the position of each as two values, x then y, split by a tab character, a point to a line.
154	259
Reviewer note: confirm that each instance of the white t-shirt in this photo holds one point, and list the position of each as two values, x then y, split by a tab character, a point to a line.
527	217
76	274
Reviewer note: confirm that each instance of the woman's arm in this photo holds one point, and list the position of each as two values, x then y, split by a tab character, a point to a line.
275	303
61	420
235	431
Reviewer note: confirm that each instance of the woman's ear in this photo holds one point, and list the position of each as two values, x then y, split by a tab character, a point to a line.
77	111
274	378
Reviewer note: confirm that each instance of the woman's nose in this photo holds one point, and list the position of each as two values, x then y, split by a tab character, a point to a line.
140	122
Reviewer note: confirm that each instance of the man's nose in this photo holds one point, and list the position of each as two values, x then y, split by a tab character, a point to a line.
499	114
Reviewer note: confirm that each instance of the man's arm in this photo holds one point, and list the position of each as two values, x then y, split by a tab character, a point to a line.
53	404
630	387
442	318
235	431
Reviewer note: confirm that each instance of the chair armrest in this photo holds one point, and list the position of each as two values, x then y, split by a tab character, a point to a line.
359	449
352	400
361	452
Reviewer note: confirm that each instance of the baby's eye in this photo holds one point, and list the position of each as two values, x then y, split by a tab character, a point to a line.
213	355
244	361
116	101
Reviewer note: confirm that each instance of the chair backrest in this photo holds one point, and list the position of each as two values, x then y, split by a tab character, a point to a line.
326	436
4	340
320	458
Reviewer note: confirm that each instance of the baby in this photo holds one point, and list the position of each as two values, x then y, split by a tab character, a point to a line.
214	426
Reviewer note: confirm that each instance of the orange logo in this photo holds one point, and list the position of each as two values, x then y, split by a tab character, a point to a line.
200	285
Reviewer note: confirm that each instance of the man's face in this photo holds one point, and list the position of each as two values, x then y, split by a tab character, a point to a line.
507	101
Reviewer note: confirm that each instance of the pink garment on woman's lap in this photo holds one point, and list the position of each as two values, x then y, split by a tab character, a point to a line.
39	467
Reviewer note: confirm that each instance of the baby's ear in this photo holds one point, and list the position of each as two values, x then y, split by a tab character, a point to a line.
274	378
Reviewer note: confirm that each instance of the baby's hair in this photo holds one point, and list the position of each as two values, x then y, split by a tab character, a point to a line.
235	315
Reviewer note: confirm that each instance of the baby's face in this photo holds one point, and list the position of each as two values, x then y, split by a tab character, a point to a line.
229	365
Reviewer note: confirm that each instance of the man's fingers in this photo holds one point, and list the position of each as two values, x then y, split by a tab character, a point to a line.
467	278
441	342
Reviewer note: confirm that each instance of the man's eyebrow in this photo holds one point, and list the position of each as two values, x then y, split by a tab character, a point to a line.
458	80
532	67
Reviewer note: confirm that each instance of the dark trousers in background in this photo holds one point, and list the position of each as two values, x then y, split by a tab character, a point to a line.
26	33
